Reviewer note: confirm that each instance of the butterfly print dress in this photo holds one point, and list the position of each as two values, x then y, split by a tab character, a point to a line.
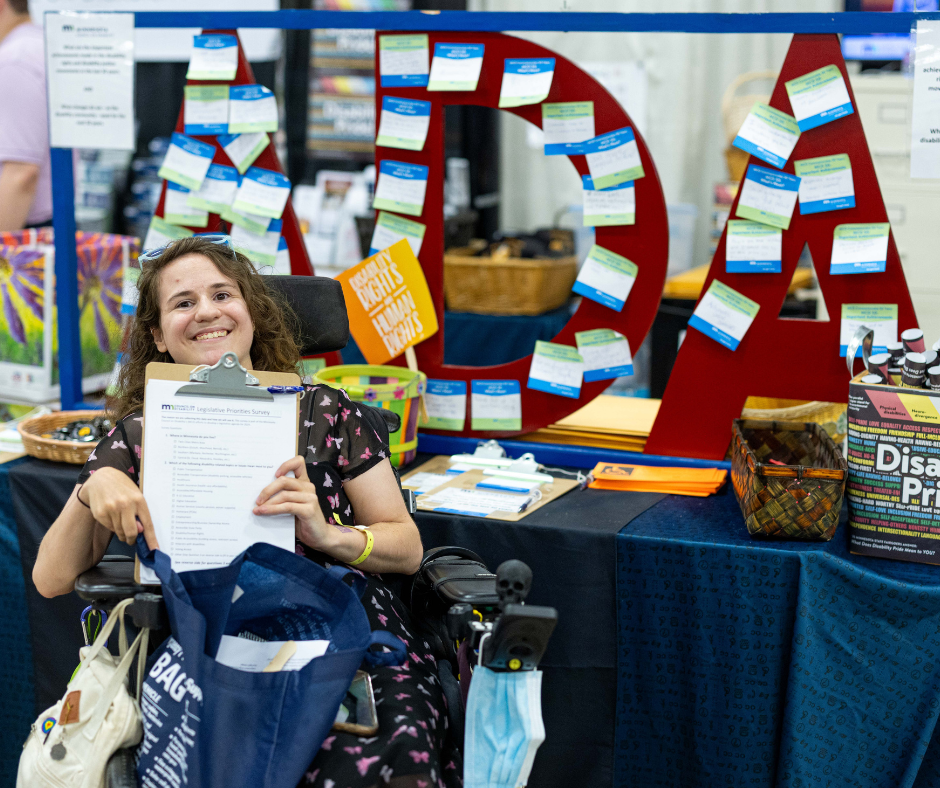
412	748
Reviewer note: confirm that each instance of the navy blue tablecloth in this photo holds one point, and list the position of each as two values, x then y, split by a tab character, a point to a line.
484	340
759	663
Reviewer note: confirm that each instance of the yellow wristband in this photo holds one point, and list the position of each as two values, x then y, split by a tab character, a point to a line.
370	541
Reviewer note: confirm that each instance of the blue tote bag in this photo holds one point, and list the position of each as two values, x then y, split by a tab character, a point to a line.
207	725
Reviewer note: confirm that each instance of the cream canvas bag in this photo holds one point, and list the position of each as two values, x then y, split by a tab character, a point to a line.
70	743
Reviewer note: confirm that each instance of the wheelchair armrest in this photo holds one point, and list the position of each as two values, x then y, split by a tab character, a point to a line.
109	582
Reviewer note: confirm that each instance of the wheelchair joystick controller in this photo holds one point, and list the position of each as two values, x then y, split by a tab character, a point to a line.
513	582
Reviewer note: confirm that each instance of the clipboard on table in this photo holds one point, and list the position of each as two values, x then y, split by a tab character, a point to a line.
228	380
468	480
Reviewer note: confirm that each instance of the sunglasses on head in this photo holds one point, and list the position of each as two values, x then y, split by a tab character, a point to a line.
217	238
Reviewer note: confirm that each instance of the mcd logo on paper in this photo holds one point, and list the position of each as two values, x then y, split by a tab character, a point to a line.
389	303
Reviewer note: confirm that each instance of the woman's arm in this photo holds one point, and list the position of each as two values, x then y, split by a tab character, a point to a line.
110	504
378	503
74	543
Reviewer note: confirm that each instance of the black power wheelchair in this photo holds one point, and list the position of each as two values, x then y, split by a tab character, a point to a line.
454	598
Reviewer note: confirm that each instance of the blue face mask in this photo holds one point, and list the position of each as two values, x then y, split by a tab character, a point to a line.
503	728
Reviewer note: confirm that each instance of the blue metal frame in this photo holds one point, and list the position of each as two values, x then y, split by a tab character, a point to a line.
66	265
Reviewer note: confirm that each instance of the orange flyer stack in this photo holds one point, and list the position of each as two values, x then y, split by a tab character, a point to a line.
699	482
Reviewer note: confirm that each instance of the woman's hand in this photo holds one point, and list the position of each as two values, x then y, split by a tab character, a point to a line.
297	496
118	504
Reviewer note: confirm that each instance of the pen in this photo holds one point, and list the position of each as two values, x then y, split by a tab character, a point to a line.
285	389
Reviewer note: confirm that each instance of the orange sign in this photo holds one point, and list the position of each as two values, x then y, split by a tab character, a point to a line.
389	303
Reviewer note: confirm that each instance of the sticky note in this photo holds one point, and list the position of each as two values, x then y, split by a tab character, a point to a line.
825	183
446	404
243	149
177	211
390	229
566	125
724	315
249	221
205	109
187	161
495	405
608	207
753	248
556	369
526	81
403	61
160	233
252	108
456	67
819	97
263	192
606	354
403	123
613	158
768	196
859	248
282	260
606	277
768	134
260	248
882	318
213	57
217	191
401	187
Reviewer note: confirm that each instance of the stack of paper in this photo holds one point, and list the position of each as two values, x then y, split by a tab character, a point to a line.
608	422
699	482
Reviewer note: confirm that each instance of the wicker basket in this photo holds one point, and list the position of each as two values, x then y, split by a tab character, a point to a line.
74	452
735	108
831	416
798	499
513	286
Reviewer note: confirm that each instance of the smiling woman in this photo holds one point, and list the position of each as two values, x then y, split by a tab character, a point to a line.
198	300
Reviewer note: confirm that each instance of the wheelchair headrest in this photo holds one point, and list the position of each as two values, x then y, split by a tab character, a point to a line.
320	308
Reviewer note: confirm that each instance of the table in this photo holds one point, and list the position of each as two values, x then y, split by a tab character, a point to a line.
687	654
758	663
570	547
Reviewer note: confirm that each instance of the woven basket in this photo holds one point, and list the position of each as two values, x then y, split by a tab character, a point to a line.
800	499
831	416
735	108
74	452
514	286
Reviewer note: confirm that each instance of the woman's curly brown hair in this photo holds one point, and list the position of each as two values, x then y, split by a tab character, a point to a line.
275	346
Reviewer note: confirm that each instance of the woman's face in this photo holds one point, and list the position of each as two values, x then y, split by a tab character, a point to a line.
202	314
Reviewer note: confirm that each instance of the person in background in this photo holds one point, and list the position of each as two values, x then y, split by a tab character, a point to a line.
25	183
